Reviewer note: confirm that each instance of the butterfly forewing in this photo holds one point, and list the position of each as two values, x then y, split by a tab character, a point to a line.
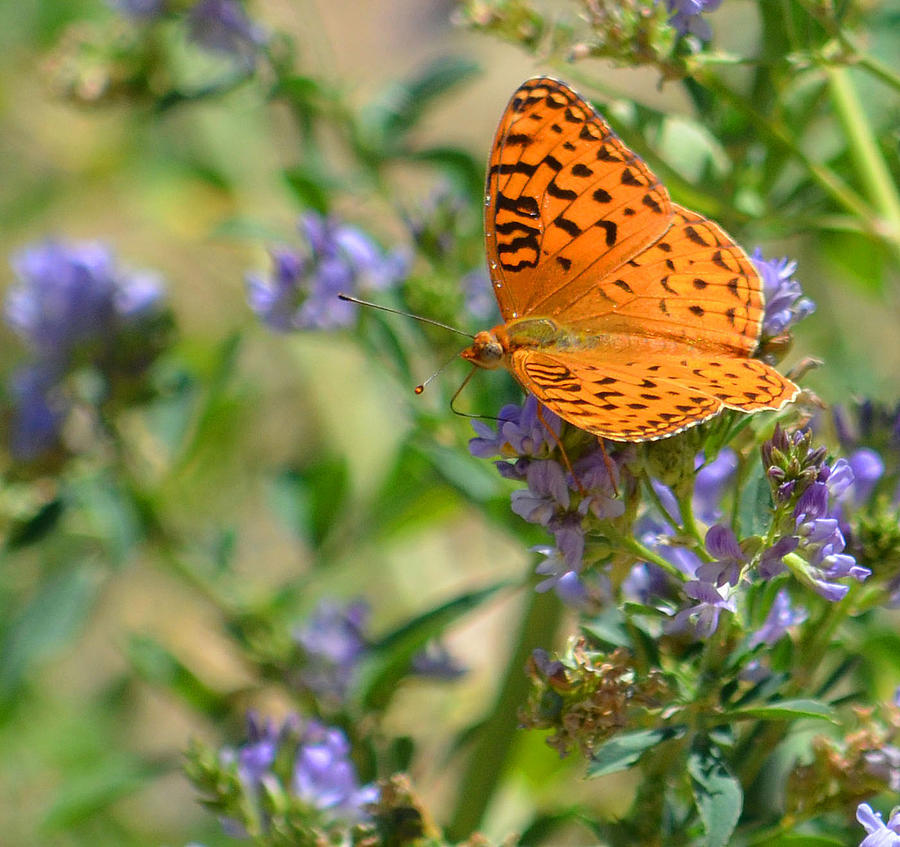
567	201
694	284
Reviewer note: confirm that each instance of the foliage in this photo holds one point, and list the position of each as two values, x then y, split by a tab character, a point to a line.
712	617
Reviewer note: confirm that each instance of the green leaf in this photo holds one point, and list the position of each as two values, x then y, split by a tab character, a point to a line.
468	169
160	667
623	751
310	499
49	622
310	187
608	628
395	650
718	796
755	505
476	479
401	105
786	710
95	789
805	841
34	528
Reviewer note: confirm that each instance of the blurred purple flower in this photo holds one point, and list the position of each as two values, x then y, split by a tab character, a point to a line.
333	644
686	16
560	576
479	298
222	26
782	616
436	662
884	764
711	483
302	291
38	412
139	9
785	303
72	296
879	833
325	777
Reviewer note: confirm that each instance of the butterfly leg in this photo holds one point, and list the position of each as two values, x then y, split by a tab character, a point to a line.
565	456
609	465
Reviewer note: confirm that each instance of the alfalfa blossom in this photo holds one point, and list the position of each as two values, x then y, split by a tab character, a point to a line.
686	16
785	303
880	834
74	306
302	290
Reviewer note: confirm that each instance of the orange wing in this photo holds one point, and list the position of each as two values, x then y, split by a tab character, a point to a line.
615	397
567	202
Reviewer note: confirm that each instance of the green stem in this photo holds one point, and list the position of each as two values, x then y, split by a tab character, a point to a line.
832	184
496	737
645	554
873	170
878	70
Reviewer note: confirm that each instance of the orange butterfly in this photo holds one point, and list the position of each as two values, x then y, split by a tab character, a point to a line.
627	315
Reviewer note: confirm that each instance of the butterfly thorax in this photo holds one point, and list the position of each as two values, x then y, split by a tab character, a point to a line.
491	348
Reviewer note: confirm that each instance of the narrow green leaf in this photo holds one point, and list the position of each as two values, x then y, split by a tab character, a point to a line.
395	650
755	502
623	751
786	710
96	789
718	796
34	528
48	623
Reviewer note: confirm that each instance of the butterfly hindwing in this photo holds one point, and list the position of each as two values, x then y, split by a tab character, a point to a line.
630	398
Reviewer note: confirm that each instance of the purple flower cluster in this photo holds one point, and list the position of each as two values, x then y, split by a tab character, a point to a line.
565	504
72	306
785	303
302	291
322	776
811	495
221	26
332	643
686	16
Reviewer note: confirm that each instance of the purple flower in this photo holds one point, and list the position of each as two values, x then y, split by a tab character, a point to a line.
780	618
562	578
879	833
479	298
520	434
302	291
785	303
38	412
222	26
867	468
324	776
884	765
333	644
546	494
256	757
599	498
72	298
139	9
711	483
722	543
436	662
771	563
686	16
702	617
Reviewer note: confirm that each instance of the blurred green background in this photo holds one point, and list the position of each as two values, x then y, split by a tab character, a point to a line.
90	736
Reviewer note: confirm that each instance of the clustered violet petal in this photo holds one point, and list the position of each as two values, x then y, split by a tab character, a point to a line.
785	303
302	291
686	16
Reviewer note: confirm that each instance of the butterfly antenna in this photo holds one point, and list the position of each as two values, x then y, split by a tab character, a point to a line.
419	318
421	387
